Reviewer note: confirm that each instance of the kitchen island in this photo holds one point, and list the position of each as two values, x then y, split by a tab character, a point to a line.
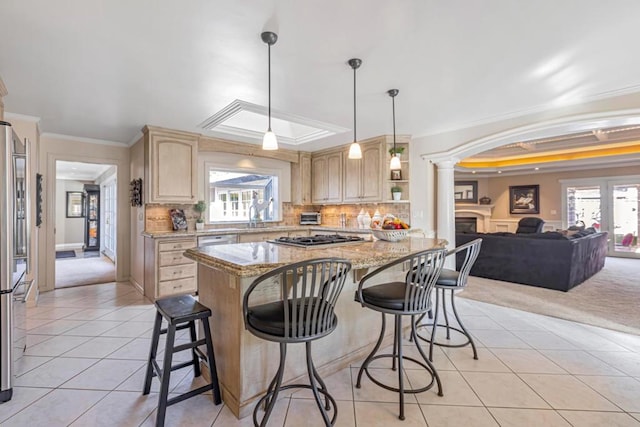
245	363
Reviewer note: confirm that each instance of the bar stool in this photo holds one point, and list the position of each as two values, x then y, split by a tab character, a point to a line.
451	280
410	297
180	312
299	309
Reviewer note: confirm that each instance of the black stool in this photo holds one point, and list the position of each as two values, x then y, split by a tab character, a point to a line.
301	311
450	280
410	297
181	312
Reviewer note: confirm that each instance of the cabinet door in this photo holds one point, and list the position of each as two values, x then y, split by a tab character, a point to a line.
371	169
301	180
334	177
319	179
173	169
362	179
352	183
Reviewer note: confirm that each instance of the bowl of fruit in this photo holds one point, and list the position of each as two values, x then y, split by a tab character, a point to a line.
392	229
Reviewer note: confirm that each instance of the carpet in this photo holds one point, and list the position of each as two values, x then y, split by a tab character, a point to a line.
65	254
84	271
609	299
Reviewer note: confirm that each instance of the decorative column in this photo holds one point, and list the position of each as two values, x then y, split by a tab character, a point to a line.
446	206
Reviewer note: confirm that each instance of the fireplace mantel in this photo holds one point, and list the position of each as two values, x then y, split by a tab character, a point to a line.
477	210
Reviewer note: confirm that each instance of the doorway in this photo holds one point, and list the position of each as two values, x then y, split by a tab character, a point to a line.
85	223
608	204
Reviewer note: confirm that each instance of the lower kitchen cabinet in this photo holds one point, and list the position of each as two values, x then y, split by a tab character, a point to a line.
166	270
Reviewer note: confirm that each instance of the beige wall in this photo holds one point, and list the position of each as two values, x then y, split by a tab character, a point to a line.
136	218
69	231
58	148
550	189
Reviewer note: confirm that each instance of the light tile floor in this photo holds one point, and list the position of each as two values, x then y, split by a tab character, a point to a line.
88	348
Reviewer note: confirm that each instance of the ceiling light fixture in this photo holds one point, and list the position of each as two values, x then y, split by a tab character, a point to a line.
269	141
395	160
354	150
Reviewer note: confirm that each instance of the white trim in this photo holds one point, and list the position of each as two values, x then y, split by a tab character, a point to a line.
598	179
22	117
215	123
57	136
68	246
564	125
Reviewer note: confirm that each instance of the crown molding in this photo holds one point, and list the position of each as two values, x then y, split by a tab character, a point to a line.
57	136
22	117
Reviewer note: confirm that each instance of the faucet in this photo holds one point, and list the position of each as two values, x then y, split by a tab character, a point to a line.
257	207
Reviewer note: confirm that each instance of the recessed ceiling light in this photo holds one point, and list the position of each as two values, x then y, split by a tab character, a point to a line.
499	171
473	171
537	169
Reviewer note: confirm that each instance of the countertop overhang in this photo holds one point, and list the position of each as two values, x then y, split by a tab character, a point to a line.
255	258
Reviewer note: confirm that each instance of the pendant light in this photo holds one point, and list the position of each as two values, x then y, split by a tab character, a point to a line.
269	141
354	150
395	160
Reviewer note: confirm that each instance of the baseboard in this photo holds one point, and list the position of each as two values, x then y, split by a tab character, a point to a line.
68	246
136	285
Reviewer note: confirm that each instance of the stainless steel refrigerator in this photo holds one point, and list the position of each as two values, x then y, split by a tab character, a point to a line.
14	252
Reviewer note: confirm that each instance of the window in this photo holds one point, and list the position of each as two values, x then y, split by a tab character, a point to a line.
231	194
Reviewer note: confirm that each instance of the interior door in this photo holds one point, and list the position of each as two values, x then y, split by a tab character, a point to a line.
624	218
109	226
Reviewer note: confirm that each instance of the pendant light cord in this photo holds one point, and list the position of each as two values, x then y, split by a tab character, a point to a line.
269	130
355	138
393	107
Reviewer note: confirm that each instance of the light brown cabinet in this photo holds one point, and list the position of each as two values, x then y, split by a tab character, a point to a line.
363	178
301	180
326	172
170	165
166	270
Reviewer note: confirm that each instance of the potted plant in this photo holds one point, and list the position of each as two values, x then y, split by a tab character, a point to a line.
200	207
396	192
397	151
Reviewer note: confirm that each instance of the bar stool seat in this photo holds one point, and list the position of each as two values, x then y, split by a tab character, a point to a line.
180	312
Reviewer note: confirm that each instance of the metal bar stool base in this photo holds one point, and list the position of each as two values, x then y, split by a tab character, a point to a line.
461	330
398	357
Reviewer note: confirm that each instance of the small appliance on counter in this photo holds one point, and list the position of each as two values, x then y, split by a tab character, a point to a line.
310	218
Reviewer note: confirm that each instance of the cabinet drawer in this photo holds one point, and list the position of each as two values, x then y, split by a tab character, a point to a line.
173	258
177	245
170	287
259	237
177	272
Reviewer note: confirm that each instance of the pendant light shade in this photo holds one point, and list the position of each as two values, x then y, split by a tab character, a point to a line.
395	160
269	141
354	150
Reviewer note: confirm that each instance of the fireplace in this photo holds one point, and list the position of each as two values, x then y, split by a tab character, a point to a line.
466	224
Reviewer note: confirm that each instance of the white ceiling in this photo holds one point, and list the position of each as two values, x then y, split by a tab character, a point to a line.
76	171
103	69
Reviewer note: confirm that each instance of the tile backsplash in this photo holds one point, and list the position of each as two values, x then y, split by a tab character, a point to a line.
157	218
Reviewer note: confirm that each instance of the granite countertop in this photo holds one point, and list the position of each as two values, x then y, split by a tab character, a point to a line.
239	230
253	259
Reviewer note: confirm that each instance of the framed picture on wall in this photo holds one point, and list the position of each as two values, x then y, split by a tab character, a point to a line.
465	191
75	203
524	199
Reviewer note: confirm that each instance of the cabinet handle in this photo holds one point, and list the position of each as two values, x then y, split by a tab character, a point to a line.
177	286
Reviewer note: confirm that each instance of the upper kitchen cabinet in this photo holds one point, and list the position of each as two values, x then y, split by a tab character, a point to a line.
170	165
301	180
363	180
326	173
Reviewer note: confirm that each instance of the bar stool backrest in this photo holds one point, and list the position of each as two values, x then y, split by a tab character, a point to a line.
308	292
423	271
471	250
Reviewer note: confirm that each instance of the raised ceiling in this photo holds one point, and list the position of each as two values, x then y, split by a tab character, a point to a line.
598	148
103	69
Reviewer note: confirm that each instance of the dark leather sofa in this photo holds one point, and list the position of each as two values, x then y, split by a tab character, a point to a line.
548	260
